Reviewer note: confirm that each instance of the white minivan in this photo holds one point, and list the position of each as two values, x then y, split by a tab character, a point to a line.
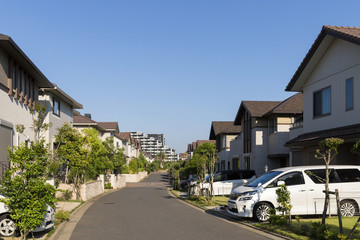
306	186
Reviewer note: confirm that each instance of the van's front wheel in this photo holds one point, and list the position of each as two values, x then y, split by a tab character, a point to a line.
347	209
262	212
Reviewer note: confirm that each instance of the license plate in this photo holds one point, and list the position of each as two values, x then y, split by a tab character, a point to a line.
231	205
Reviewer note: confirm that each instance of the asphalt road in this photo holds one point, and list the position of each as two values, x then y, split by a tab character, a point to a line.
145	210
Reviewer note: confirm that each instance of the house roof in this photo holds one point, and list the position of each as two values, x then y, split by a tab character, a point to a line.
291	105
223	127
14	51
124	136
110	126
82	119
255	109
56	91
347	132
87	122
317	50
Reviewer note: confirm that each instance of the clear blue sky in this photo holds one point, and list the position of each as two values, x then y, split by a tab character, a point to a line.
170	66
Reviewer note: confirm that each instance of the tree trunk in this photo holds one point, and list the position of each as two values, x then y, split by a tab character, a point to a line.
327	197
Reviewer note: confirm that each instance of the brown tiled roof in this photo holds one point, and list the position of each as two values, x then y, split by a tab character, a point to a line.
350	34
223	127
124	135
292	105
82	119
255	109
347	132
109	125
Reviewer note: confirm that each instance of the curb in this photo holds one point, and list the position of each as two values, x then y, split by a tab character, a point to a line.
227	217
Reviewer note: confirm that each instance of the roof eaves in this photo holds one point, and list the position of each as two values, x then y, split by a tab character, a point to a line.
11	48
64	96
326	30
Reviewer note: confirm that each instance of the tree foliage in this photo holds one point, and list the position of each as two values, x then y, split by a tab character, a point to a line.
84	156
203	162
27	193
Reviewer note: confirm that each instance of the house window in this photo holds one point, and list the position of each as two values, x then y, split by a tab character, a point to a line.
349	94
223	141
322	102
247	163
56	107
247	132
235	163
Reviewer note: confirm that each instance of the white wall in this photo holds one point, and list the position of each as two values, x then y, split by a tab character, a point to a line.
16	113
56	121
340	62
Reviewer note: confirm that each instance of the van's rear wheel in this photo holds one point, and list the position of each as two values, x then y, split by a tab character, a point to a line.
347	208
262	212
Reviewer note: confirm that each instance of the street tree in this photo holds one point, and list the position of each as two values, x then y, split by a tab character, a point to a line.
328	151
70	151
161	156
27	193
208	153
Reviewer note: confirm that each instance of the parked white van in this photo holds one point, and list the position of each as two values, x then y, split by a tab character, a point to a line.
306	186
224	182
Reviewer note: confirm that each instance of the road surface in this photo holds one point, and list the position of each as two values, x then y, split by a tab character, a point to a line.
145	210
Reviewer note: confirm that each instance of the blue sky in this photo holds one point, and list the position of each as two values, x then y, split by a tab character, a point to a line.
170	66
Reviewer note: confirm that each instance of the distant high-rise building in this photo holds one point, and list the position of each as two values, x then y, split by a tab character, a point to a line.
154	144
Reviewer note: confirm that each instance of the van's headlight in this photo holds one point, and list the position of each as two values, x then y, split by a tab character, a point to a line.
247	195
235	196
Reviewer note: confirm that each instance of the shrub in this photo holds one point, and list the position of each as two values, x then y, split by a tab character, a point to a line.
277	219
124	169
322	232
61	216
107	186
67	194
133	166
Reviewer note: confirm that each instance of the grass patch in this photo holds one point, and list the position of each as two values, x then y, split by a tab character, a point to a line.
203	201
300	229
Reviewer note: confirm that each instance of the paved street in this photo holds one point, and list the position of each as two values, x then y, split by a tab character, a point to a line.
146	211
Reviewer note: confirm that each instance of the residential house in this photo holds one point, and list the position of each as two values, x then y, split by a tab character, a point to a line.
264	131
59	108
329	78
81	122
223	132
111	131
194	145
132	146
20	81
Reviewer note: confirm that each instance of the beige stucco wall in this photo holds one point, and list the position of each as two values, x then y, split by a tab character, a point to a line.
16	113
340	62
87	190
56	121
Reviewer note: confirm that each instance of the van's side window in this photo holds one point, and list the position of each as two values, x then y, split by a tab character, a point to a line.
318	176
348	175
290	179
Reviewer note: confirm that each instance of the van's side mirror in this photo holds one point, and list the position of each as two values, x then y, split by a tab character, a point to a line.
244	181
279	183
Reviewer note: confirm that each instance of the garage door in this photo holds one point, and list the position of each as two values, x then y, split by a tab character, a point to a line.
5	141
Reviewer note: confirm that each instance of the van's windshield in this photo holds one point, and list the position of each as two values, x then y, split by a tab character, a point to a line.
263	178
